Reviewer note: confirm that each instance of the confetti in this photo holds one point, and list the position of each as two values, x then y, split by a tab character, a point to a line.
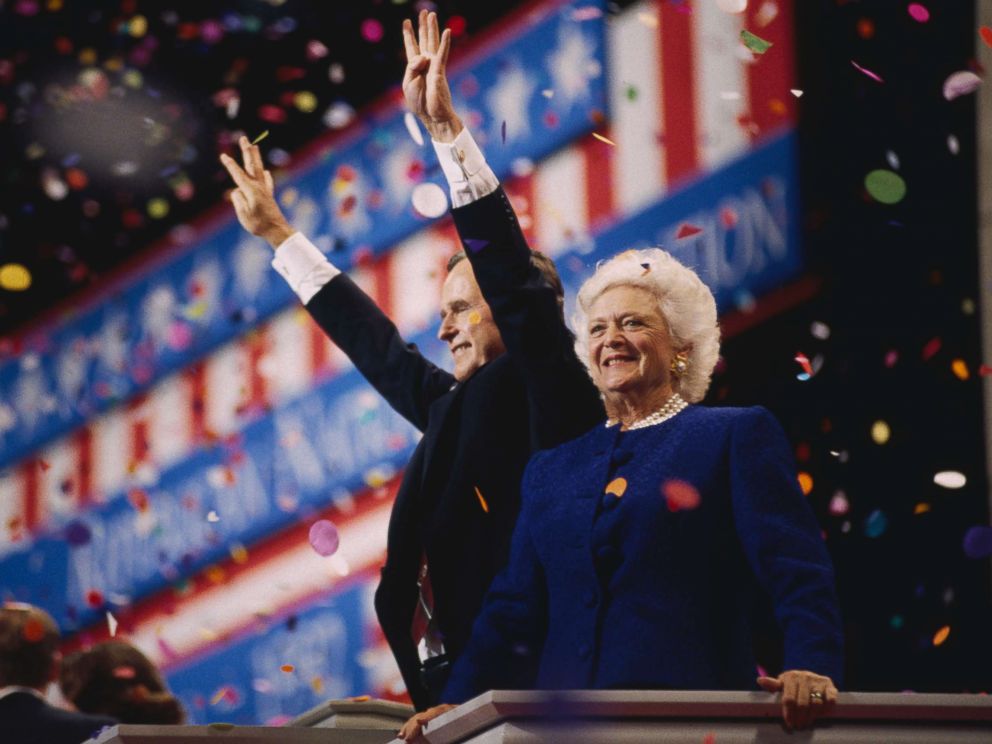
978	542
287	668
953	146
767	13
876	524
14	277
839	505
918	12
413	128
961	84
804	363
820	330
930	349
885	186
806	483
33	630
260	137
880	432
877	78
941	635
111	624
680	495
960	369
474	318
94	598
732	6
502	131
986	33
482	501
124	672
212	516
921	508
796	92
617	487
429	200
686	230
950	479
324	538
755	43
372	30
601	138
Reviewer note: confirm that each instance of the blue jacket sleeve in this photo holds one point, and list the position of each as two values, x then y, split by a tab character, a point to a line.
563	401
508	635
783	545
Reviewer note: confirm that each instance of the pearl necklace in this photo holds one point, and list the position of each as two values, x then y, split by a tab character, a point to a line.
672	406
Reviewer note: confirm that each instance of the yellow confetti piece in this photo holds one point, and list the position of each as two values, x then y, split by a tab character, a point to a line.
218	696
617	487
215	574
941	635
474	317
317	684
288	668
14	277
806	483
260	137
305	101
138	26
482	501
601	138
360	699
158	208
921	508
960	369
880	432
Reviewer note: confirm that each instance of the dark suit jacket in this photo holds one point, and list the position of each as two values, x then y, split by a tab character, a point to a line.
627	593
26	719
478	434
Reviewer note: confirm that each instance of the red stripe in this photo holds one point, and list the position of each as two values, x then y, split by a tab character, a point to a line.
520	190
380	270
599	164
773	74
30	472
256	345
82	444
678	90
196	378
139	429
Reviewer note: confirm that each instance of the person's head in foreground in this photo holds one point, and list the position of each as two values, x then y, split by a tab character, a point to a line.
467	324
114	678
29	647
646	327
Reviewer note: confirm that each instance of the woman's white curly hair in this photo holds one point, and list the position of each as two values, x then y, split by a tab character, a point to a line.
686	303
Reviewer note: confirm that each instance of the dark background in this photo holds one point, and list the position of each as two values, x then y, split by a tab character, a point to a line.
897	285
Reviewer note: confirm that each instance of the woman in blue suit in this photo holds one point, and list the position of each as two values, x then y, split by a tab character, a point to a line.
642	545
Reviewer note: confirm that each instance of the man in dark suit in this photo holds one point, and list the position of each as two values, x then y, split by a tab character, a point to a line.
29	661
517	385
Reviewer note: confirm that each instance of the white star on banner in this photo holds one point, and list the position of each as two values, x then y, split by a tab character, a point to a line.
508	102
571	65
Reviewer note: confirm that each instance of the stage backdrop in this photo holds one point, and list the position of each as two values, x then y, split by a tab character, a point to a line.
166	450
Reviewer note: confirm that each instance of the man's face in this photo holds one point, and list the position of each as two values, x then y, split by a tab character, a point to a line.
467	324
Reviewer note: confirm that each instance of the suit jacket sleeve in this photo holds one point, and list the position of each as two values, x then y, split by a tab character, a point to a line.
401	374
508	635
783	544
563	401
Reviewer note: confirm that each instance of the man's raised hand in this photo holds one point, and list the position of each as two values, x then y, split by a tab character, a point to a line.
254	198
425	83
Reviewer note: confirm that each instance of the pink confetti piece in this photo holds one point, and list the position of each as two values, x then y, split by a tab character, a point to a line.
867	72
680	495
918	12
324	537
961	84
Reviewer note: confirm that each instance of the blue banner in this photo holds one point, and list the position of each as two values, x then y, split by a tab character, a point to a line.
245	683
354	200
341	435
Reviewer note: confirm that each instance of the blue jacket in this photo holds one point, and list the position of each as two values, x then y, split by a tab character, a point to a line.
622	592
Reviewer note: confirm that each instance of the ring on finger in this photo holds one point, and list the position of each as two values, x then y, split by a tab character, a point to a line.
816	696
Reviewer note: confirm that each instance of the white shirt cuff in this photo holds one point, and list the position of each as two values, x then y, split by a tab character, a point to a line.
303	266
464	166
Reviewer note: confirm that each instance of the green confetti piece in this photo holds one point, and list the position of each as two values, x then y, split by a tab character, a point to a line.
260	137
885	186
631	93
219	726
755	43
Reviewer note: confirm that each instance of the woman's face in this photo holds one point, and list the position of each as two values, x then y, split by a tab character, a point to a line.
630	348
